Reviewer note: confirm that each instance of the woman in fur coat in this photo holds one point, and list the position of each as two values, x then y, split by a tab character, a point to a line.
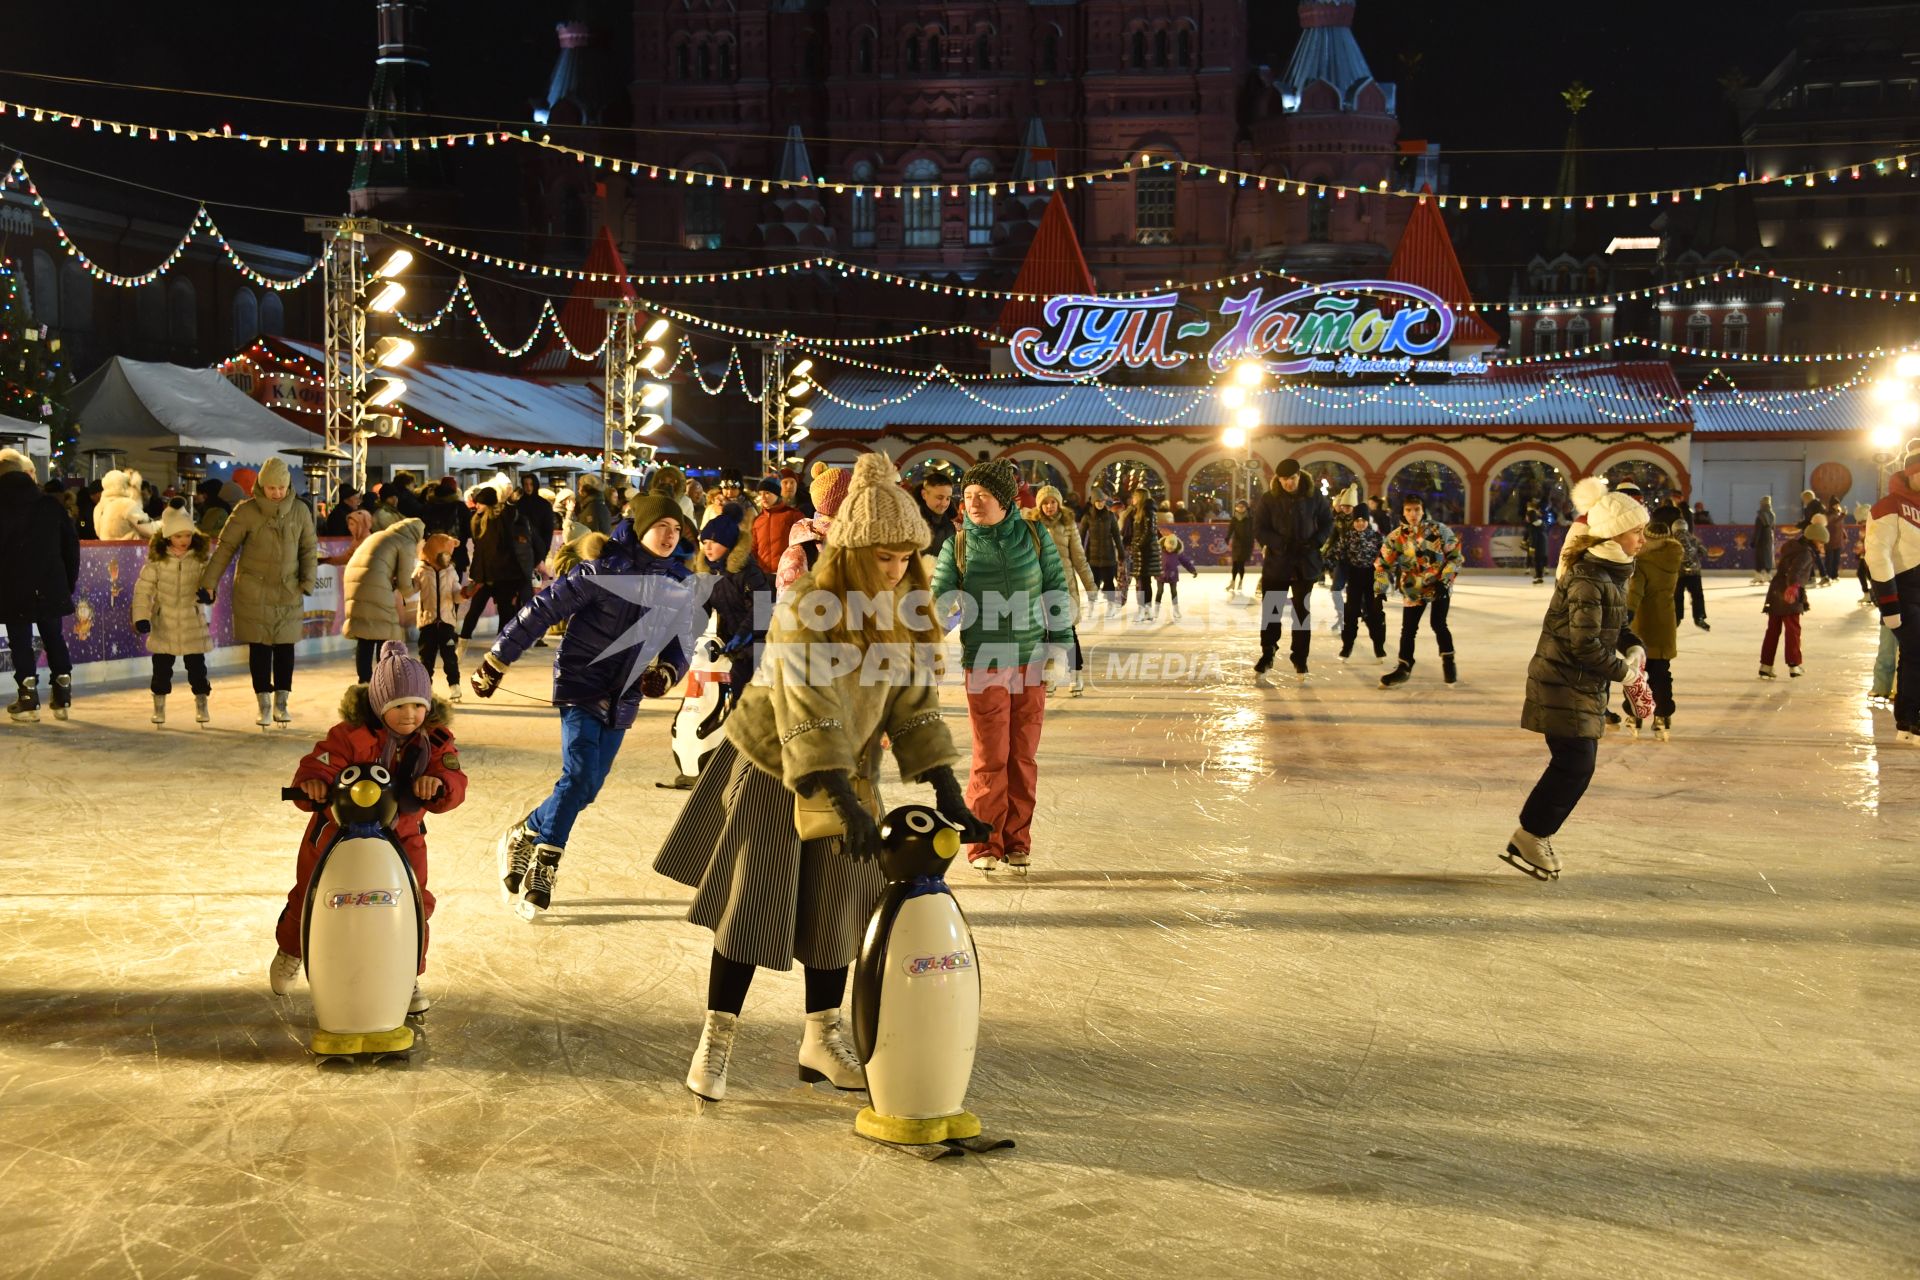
808	730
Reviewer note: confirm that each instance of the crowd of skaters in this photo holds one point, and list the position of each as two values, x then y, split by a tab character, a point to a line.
779	836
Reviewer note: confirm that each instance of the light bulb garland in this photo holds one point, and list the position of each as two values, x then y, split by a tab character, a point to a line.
201	223
288	144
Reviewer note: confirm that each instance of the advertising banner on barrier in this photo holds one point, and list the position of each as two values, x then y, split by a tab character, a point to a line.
100	629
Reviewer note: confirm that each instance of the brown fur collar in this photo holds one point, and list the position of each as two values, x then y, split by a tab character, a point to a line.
357	709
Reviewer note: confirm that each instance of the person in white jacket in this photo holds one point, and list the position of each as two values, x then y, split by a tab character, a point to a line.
1893	564
438	585
119	517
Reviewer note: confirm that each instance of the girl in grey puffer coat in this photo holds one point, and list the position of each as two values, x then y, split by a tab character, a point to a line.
167	612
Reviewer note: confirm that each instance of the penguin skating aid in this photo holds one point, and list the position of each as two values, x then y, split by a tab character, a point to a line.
916	995
363	926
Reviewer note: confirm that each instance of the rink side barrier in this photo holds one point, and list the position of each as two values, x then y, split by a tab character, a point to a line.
1504	546
100	633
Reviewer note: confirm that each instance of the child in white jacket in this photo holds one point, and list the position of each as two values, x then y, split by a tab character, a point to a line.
438	585
167	613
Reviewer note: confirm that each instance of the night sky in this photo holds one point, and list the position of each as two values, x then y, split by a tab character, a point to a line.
1472	76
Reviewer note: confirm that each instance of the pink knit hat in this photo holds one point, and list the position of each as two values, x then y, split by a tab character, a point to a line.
398	678
828	488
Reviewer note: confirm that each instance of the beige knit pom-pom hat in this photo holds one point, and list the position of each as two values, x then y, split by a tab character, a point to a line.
877	512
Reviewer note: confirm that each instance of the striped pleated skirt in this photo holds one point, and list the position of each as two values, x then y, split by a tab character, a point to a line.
770	898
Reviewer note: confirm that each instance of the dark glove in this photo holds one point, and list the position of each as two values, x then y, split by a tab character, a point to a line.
487	676
657	679
862	841
950	800
143	626
204	596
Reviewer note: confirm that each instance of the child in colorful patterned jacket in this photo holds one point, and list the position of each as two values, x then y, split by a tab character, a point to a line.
1420	559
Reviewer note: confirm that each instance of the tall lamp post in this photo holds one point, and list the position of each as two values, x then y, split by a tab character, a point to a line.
361	400
783	420
634	357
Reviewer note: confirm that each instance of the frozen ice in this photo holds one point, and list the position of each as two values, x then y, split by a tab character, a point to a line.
1268	1004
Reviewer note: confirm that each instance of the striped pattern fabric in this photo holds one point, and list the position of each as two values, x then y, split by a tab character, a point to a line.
769	898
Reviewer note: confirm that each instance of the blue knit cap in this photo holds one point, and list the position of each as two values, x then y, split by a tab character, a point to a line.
723	528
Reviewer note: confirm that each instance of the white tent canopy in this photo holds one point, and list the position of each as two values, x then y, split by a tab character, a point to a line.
142	407
38	441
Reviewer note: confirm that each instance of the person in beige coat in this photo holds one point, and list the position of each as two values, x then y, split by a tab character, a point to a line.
807	732
379	573
1050	513
271	534
166	609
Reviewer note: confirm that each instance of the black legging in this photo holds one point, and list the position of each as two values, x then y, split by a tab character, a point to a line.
162	682
1561	786
1660	680
506	602
1685	586
1363	602
728	980
364	652
271	666
1105	580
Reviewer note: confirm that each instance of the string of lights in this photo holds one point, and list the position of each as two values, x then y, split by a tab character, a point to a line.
1898	162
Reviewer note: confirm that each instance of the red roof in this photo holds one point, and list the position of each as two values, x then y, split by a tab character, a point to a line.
585	324
1054	266
1425	257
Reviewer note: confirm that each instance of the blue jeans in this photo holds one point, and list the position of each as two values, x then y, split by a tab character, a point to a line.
1886	661
587	748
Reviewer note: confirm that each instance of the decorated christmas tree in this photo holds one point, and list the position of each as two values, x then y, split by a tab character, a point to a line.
34	380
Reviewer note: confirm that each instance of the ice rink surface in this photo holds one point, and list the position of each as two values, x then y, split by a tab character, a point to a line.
1268	1004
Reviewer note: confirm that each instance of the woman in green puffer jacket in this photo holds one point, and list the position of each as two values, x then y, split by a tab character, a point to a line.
1003	575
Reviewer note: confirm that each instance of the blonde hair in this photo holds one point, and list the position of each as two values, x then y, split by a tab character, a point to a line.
1577	545
853	571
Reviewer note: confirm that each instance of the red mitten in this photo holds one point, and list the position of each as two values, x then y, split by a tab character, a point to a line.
1640	698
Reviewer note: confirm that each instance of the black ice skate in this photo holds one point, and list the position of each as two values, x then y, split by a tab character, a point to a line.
1448	671
1401	673
513	852
25	707
1532	854
62	696
537	891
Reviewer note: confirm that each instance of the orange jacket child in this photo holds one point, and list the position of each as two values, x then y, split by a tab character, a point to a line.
393	720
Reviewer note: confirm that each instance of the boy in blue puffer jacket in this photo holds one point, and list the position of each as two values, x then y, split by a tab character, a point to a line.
633	614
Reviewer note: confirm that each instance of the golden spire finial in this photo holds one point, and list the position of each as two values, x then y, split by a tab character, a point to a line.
1575	96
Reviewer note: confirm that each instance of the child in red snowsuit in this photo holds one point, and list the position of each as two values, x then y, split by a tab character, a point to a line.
393	720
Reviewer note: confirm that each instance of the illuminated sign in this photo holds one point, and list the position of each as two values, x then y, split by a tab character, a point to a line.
1331	328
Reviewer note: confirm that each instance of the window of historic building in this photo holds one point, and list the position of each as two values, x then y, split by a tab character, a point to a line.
76	298
183	314
1186	47
246	317
983	51
703	61
150	314
724	55
1153	205
1546	336
1050	51
979	203
1734	335
1318	213
1162	48
1138	58
936	50
863	51
1579	332
913	52
682	61
44	292
1699	330
862	206
273	316
923	203
701	221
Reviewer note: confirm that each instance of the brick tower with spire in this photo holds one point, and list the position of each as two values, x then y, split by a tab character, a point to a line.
396	182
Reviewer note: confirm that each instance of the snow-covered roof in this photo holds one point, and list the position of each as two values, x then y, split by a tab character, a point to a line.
475	406
1611	395
1827	409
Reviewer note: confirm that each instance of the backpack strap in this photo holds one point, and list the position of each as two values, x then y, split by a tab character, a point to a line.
960	551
